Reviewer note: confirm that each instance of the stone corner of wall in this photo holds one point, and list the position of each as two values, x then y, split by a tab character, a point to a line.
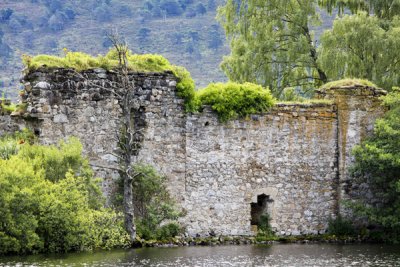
351	91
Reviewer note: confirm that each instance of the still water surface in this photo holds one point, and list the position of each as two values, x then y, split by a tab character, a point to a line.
275	255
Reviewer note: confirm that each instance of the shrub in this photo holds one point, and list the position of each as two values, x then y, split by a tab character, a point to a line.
10	144
233	100
41	213
168	231
155	210
340	227
377	163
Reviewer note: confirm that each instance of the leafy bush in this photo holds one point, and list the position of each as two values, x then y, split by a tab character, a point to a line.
233	100
10	144
377	163
155	210
264	232
264	224
45	213
169	230
340	227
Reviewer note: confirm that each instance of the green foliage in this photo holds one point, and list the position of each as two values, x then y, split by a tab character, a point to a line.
41	213
154	209
358	46
264	223
290	94
10	144
309	102
382	9
377	162
264	232
146	63
347	82
8	108
168	231
340	227
233	100
186	88
271	43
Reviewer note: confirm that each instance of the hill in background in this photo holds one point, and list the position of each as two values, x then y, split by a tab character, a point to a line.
184	31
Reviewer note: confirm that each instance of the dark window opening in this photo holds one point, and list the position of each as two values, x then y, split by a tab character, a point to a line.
260	208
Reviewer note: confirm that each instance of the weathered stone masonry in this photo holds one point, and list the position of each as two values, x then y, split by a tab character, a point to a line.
290	162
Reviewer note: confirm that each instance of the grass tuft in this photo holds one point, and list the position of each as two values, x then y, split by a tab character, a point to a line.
348	82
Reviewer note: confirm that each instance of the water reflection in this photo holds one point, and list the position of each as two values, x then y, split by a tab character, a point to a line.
275	255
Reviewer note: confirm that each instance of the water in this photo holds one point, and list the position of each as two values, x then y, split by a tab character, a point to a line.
274	255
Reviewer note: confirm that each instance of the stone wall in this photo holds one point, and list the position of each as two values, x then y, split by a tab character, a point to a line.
66	103
288	154
289	163
8	123
358	108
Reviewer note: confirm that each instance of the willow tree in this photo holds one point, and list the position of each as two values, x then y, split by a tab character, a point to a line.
358	46
272	43
383	9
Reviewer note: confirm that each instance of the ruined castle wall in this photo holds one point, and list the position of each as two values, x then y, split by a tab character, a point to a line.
294	156
64	103
288	154
358	108
9	124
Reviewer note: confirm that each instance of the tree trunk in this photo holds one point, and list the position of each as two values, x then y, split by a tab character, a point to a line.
128	207
314	55
127	146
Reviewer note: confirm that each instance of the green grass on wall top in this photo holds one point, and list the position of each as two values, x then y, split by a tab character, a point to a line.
348	82
142	63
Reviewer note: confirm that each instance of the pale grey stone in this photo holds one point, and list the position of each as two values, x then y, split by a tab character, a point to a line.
60	118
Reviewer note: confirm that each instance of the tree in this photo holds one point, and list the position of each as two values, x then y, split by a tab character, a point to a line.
102	13
211	5
171	7
200	9
378	164
194	36
358	46
177	38
272	44
190	13
214	37
143	34
129	136
5	14
386	9
56	22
